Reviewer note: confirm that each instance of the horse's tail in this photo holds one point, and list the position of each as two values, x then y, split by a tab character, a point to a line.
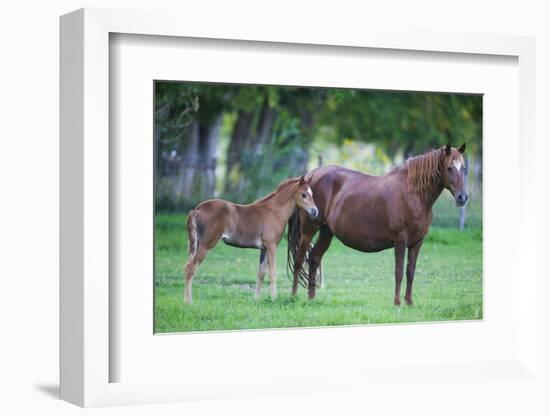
192	233
293	240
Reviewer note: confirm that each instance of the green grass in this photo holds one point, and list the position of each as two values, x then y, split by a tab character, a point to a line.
358	286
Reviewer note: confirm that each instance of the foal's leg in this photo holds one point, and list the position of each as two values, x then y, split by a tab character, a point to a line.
261	272
317	252
399	261
411	267
307	231
271	249
190	270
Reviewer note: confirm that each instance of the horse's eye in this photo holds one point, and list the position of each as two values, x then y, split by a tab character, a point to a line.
449	169
304	195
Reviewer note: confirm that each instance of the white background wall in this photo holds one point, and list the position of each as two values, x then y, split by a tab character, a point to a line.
29	185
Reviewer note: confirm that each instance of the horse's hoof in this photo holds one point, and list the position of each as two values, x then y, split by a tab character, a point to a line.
397	302
409	302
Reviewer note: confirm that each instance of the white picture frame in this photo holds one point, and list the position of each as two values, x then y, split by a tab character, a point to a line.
85	213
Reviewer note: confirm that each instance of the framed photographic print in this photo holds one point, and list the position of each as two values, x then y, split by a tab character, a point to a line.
270	213
229	162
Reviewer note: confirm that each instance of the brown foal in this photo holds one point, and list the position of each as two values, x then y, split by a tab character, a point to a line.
258	225
374	213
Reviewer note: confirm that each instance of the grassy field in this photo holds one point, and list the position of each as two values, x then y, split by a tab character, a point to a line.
358	286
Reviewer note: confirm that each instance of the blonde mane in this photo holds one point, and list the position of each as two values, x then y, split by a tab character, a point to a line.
423	171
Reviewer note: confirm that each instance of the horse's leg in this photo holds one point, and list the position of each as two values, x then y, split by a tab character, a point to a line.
307	231
271	249
411	267
321	277
261	272
399	261
317	252
190	270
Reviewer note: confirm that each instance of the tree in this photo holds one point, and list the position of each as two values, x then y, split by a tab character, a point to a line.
189	118
270	139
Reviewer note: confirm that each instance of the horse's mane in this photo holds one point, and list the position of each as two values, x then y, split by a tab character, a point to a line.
283	185
423	170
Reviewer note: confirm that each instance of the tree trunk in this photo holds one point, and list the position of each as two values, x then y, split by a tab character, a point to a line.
265	128
258	144
239	136
189	162
209	136
251	133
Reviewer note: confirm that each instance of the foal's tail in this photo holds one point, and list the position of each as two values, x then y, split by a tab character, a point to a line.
293	239
192	233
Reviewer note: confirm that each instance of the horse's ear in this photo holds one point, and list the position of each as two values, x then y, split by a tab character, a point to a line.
302	180
447	149
462	148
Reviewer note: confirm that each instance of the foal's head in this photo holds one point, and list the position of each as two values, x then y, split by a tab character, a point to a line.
304	198
453	171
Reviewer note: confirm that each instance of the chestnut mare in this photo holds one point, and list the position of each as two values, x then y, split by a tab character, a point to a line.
258	225
374	213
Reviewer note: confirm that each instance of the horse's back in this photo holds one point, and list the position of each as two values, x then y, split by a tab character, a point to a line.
213	207
335	187
335	172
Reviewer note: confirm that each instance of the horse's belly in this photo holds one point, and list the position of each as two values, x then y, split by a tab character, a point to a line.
363	231
366	245
250	242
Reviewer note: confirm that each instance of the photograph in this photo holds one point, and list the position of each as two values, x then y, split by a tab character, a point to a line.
232	208
296	207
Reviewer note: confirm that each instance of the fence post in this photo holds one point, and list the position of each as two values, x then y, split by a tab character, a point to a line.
462	209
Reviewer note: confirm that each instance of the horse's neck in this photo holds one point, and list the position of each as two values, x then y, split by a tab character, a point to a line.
430	195
283	203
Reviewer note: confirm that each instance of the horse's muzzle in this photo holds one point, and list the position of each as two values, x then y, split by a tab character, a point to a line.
313	213
461	199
